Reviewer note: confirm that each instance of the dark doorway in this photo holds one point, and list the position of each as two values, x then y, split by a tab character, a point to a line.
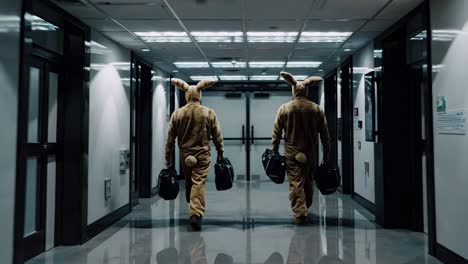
418	145
141	129
347	133
394	188
331	110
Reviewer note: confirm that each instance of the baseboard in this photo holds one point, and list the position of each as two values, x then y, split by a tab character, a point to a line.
154	191
364	202
102	224
448	256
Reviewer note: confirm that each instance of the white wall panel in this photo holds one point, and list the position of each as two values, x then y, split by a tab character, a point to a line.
450	151
9	74
109	126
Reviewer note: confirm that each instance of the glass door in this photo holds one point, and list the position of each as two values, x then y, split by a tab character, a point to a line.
230	109
41	149
263	109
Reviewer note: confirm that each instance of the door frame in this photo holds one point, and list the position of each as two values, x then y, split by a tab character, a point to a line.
143	129
72	127
347	144
331	78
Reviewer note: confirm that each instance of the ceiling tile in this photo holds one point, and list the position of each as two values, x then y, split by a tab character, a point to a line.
340	26
218	9
137	11
377	25
339	9
273	25
102	24
79	10
398	8
213	25
145	25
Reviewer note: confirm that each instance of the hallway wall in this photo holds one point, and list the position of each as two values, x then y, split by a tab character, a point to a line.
363	63
109	125
10	11
161	112
449	22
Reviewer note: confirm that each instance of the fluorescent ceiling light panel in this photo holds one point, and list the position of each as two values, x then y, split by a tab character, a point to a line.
164	36
266	64
303	64
259	36
39	24
300	77
218	36
203	77
317	36
191	64
233	77
264	77
226	64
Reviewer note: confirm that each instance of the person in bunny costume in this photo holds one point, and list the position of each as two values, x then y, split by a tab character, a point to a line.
193	125
301	120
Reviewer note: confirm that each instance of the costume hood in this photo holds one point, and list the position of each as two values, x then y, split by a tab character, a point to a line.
193	92
299	88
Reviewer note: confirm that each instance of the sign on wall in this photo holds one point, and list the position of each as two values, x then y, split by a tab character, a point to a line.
451	122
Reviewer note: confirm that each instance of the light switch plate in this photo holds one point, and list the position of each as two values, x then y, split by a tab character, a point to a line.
107	189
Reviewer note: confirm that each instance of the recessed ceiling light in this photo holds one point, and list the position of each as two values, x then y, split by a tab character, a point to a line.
225	64
263	77
233	77
175	71
300	77
145	50
347	50
266	64
260	36
320	70
303	64
218	36
203	77
191	64
164	36
317	36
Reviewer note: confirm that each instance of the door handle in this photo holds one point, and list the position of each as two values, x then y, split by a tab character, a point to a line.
252	134
243	134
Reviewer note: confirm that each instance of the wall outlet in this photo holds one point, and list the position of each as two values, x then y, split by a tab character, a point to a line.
366	168
124	159
107	189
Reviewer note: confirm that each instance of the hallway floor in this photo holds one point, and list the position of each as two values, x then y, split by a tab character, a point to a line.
251	223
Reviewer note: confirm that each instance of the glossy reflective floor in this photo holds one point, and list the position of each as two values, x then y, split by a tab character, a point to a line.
251	223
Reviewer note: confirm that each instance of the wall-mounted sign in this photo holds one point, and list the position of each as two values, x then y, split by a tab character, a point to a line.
441	105
451	122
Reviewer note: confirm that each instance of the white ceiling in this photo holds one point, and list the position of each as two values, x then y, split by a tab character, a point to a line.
365	18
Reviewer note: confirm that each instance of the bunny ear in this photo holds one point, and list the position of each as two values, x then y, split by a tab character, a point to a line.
288	78
314	80
180	84
202	85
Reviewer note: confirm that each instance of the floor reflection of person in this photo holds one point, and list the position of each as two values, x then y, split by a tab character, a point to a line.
192	249
307	246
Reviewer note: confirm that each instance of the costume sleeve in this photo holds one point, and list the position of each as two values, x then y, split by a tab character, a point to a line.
324	135
216	134
277	130
171	137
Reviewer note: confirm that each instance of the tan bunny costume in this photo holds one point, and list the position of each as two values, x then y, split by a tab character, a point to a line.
193	125
302	120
